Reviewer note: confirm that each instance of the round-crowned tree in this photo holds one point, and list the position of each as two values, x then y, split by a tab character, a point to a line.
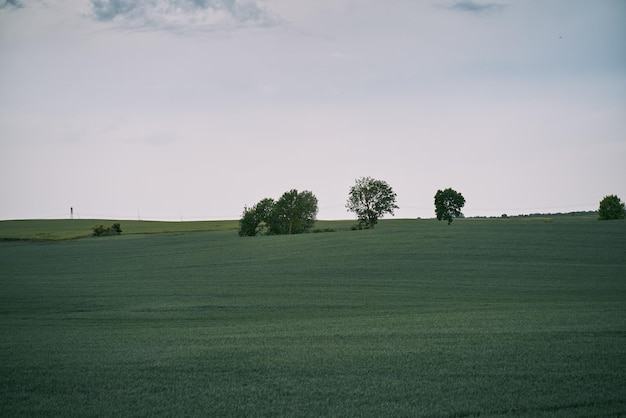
448	204
611	207
370	199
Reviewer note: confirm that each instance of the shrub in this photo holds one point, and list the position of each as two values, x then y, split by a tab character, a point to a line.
101	230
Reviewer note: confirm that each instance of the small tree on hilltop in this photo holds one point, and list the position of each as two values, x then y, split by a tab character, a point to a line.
370	199
448	204
611	207
293	213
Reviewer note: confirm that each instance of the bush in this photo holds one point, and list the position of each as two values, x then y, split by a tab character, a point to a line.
101	230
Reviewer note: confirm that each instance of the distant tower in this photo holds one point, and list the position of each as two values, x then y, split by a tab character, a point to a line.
71	213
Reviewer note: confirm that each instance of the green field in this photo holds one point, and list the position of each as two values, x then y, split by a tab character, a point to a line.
54	230
485	317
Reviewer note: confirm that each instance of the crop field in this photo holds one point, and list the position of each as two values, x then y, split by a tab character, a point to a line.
54	230
485	317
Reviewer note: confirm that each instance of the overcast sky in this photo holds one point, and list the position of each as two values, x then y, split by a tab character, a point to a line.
191	109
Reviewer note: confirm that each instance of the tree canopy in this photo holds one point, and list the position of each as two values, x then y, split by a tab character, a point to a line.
293	213
611	207
448	204
370	199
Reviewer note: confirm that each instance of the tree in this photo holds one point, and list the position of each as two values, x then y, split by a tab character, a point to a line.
448	204
611	207
265	214
371	199
293	213
249	223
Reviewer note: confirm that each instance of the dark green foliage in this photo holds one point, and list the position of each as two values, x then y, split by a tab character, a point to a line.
265	214
249	223
318	230
100	230
611	207
293	213
371	199
258	219
448	204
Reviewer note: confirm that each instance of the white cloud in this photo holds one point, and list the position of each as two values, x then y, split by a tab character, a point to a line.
183	15
477	7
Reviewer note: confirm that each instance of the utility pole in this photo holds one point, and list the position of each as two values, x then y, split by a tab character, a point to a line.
72	213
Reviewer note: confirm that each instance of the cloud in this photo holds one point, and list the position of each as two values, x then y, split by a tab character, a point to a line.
473	7
6	4
183	15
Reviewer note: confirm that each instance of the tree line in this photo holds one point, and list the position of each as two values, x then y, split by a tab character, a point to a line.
370	199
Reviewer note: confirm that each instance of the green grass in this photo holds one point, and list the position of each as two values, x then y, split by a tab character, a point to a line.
489	317
65	229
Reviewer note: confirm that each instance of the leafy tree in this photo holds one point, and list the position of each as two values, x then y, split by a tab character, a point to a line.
370	199
448	204
265	215
293	213
257	219
611	207
249	222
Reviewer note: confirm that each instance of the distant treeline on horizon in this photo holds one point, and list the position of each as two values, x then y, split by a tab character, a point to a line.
537	215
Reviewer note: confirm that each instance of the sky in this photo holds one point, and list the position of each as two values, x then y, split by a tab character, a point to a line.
192	109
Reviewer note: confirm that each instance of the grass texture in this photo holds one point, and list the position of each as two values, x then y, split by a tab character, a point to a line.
66	229
485	317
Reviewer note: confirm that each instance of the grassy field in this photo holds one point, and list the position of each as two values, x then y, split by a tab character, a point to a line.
57	229
489	317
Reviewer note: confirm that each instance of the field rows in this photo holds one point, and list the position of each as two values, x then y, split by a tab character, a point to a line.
414	318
